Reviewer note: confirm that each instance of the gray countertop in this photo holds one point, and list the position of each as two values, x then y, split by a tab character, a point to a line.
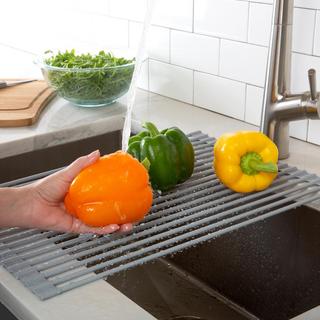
61	122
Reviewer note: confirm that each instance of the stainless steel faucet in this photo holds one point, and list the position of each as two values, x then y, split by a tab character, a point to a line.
280	106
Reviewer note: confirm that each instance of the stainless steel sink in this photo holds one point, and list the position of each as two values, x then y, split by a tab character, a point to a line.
271	269
266	270
57	156
167	291
5	314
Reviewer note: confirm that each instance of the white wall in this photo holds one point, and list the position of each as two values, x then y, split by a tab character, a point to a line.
211	53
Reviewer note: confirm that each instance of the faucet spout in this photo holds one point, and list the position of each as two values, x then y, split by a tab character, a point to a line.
280	107
295	107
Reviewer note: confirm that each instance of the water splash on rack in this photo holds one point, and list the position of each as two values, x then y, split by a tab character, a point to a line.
133	86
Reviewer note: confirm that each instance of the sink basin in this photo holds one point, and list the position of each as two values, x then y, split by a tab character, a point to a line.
268	270
38	161
5	314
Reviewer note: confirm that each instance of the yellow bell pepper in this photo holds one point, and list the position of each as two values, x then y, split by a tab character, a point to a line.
245	161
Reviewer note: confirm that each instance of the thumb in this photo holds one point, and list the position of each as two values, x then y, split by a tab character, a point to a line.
54	187
70	172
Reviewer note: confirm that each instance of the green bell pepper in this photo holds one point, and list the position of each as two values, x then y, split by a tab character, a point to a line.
168	154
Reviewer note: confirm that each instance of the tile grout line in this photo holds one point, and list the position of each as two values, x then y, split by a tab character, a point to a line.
17	49
193	89
148	74
314	32
305	54
170	46
219	57
193	6
248	22
308	126
245	103
204	72
197	33
129	33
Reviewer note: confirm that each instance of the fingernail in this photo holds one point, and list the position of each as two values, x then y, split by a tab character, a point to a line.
114	227
93	155
126	227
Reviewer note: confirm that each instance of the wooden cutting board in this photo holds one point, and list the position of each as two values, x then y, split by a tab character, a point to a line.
21	105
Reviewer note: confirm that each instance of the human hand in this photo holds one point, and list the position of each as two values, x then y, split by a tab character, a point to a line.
40	204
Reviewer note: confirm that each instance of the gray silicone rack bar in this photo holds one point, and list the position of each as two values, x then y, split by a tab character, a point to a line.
50	263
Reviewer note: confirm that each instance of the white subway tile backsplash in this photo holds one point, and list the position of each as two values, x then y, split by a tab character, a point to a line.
176	14
243	62
311	4
102	30
171	81
62	28
128	9
159	43
17	64
220	95
96	6
195	51
303	30
259	23
299	129
262	1
60	36
254	99
210	52
316	48
218	18
143	81
314	131
135	32
14	14
103	35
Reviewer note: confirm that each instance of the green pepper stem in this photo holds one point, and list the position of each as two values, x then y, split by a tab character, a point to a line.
146	163
252	163
151	128
262	166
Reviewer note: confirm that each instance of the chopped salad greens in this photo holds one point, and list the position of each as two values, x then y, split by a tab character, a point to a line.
89	77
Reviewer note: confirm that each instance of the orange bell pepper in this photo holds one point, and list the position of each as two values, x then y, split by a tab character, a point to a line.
114	190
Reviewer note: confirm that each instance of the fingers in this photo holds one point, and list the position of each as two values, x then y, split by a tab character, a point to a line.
103	230
78	227
53	188
82	228
70	224
69	173
126	227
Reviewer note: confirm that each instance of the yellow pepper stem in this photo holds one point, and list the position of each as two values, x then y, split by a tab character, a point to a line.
252	163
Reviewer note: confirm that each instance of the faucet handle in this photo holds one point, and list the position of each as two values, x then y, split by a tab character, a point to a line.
313	84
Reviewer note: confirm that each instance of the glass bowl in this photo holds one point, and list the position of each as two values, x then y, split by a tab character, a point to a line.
87	87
